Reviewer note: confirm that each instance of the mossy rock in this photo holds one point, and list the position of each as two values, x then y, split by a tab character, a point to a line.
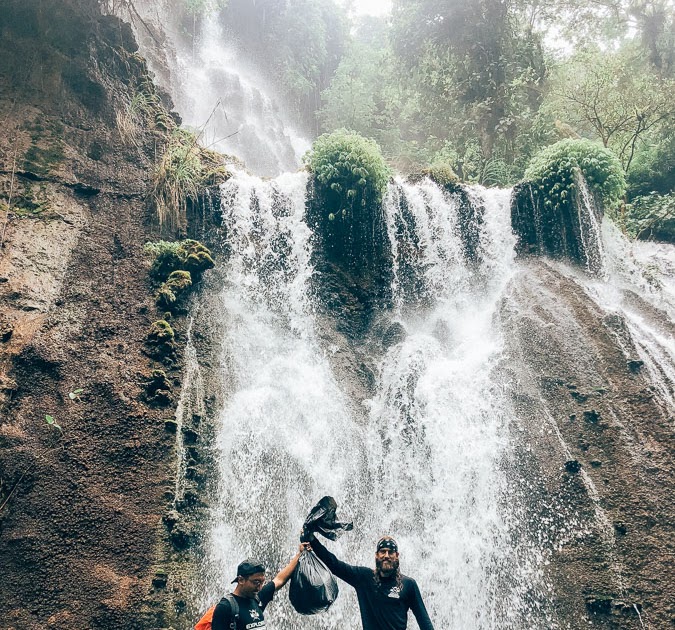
166	298
196	257
178	284
440	173
188	255
161	332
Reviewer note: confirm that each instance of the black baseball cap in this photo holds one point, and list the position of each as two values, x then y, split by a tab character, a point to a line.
249	567
387	542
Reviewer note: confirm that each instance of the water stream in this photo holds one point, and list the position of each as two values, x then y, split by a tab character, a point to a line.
424	460
428	458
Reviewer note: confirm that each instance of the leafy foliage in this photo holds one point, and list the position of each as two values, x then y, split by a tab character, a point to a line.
476	68
176	286
350	165
610	96
182	172
177	264
651	215
653	169
188	255
553	171
51	421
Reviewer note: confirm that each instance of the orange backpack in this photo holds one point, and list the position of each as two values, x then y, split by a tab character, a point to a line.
205	622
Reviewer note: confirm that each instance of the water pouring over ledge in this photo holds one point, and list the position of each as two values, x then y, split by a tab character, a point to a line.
423	459
450	376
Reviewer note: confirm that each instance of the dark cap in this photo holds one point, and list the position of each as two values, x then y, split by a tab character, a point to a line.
387	542
249	567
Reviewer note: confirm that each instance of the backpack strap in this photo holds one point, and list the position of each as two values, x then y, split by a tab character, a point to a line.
234	609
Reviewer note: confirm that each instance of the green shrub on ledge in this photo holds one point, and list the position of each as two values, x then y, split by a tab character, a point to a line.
188	255
350	165
552	171
177	285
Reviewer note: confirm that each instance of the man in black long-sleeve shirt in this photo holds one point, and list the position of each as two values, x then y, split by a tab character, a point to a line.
384	595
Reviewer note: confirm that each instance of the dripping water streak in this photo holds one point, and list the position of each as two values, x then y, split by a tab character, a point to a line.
190	404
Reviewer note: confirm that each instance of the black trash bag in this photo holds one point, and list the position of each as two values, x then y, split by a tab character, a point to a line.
313	587
322	520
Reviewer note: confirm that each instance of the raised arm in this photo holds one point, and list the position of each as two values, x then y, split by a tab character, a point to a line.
420	610
344	571
285	574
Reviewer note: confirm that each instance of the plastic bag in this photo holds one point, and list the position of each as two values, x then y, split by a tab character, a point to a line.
322	520
313	587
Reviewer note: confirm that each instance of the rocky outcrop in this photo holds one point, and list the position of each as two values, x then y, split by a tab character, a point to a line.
85	459
567	229
595	443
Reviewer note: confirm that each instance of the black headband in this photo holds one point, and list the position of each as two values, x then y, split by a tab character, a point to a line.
387	543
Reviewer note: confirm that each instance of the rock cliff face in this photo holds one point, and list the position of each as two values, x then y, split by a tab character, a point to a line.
596	445
84	458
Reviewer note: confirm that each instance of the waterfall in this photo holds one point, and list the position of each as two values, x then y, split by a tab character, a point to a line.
218	93
285	435
424	461
640	289
440	420
223	96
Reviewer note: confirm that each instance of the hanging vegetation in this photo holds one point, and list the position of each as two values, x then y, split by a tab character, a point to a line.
351	166
553	171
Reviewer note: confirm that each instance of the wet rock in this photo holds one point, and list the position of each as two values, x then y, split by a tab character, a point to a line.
6	331
544	230
196	474
194	453
596	463
158	389
190	436
171	518
579	396
599	604
634	365
572	466
162	398
180	536
395	334
160	578
592	417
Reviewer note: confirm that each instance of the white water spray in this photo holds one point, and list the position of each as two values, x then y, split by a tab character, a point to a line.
439	427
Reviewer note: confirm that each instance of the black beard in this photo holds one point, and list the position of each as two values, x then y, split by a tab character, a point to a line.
386	572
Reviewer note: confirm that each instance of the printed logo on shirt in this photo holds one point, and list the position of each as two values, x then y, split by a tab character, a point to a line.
257	624
254	614
395	592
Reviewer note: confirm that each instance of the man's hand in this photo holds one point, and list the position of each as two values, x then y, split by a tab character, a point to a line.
285	574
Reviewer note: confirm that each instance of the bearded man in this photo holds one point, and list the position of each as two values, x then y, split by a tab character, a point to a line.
385	595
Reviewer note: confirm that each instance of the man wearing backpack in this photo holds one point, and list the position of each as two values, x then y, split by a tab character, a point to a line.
243	608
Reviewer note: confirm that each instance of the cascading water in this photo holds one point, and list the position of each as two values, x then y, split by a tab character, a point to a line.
424	460
440	421
285	435
223	97
217	92
638	288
